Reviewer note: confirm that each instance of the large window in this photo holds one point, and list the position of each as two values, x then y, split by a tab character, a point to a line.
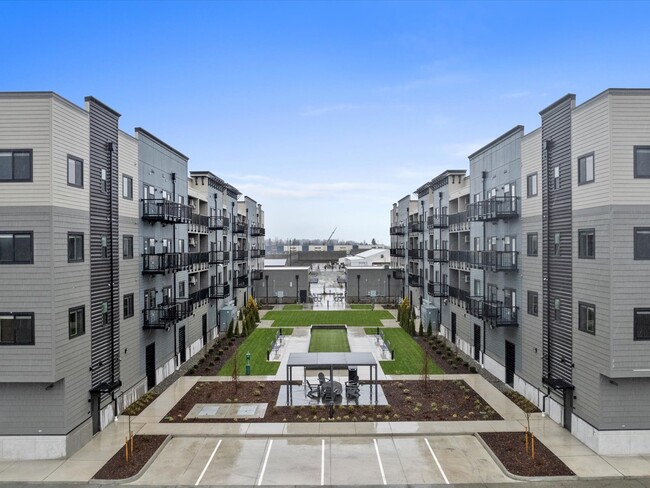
642	324
556	243
556	178
128	306
642	161
127	247
75	172
587	243
76	321
533	303
15	165
642	243
16	329
16	248
75	247
531	185
587	317
531	244
127	187
586	169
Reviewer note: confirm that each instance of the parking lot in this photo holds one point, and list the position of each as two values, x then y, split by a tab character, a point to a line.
323	461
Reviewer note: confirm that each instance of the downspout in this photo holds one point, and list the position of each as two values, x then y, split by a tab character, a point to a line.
440	265
111	149
216	250
483	177
406	256
174	273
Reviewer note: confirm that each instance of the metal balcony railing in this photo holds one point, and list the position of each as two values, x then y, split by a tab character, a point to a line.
458	294
258	253
219	291
240	225
496	260
397	252
416	253
416	226
416	280
257	274
241	281
465	257
458	218
218	223
199	296
165	315
219	257
500	315
438	255
257	231
161	210
200	220
193	258
474	305
161	263
436	289
240	255
494	208
437	221
398	274
398	230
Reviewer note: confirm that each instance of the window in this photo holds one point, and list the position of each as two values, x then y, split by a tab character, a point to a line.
75	172
76	321
641	162
150	299
181	289
478	291
557	306
103	183
531	244
477	243
128	305
586	169
531	185
16	248
127	247
167	295
587	243
127	187
149	245
641	243
15	165
16	329
556	244
642	324
75	247
104	247
104	313
556	178
587	317
165	246
533	303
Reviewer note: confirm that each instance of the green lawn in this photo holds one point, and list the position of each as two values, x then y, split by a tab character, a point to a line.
361	307
329	340
295	306
352	318
257	344
409	356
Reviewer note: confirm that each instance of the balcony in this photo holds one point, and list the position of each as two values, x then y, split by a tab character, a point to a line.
258	253
499	315
462	257
438	255
219	257
218	223
496	260
161	210
165	315
416	253
398	274
219	291
240	225
438	221
257	231
494	208
199	220
195	258
398	230
416	280
458	294
240	255
397	252
199	296
241	281
161	263
257	274
474	305
458	218
436	289
416	226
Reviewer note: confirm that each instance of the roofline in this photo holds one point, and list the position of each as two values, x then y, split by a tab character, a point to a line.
502	137
568	96
43	94
140	130
120	131
103	105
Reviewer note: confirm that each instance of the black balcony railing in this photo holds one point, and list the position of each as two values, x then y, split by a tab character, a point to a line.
500	315
458	294
494	208
257	230
436	289
398	230
241	281
240	225
465	257
438	255
398	274
258	253
240	255
416	226
193	258
458	218
437	221
397	252
218	223
474	306
416	280
200	220
219	291
257	274
500	260
161	210
416	253
161	263
199	296
219	257
165	315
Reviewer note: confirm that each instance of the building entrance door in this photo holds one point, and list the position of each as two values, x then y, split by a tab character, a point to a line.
510	363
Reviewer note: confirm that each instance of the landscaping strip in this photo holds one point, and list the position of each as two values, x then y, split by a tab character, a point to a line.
117	468
409	356
304	318
329	340
257	344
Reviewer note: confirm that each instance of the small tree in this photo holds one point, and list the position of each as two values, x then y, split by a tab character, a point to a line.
231	327
421	330
235	369
426	360
429	329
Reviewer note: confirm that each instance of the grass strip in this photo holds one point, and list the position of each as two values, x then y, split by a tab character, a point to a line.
351	318
329	340
409	356
257	344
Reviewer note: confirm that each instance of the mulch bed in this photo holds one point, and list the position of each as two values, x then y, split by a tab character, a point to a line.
440	400
510	448
216	357
521	401
117	468
444	356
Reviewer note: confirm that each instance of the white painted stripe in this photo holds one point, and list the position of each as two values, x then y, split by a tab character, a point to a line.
436	460
322	463
208	463
381	466
266	459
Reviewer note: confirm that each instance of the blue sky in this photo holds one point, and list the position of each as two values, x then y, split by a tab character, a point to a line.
326	113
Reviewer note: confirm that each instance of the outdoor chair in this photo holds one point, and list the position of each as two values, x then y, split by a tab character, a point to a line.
352	388
321	379
314	390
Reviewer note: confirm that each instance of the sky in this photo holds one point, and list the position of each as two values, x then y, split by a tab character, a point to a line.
326	113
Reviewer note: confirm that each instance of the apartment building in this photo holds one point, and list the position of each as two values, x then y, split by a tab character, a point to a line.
87	322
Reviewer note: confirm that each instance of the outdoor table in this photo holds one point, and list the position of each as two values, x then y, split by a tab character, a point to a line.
327	389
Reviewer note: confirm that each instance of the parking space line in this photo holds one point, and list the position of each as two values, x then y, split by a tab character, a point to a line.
208	463
322	463
266	458
381	466
436	460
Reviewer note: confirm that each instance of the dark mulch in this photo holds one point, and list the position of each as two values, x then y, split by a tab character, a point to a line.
117	468
409	400
140	404
445	356
216	357
521	401
510	448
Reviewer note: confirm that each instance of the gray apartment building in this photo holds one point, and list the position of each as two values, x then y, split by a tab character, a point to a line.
541	269
112	268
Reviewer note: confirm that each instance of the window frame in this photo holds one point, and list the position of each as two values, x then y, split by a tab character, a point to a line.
583	306
584	173
13	179
637	336
31	246
634	150
634	243
81	163
128	306
126	178
125	238
529	301
529	194
528	246
585	254
80	235
80	331
22	315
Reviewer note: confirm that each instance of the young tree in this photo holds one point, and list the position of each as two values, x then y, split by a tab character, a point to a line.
429	330
235	369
